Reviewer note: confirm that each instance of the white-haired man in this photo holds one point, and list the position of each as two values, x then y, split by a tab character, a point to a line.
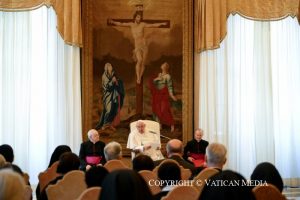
143	141
92	151
216	155
194	151
113	151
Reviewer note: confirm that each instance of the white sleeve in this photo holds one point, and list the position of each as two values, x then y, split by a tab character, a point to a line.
134	143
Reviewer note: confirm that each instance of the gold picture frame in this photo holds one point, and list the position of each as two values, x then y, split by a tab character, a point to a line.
100	13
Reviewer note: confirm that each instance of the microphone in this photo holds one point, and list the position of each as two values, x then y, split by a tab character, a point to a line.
160	135
153	132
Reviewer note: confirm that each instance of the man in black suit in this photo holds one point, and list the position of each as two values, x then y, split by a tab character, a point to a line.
175	151
92	151
195	149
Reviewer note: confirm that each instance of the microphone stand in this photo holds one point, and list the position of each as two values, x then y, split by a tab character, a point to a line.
161	135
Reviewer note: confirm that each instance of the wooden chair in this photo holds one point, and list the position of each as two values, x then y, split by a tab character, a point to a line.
262	192
28	192
48	175
26	177
70	187
205	174
112	165
91	193
149	176
182	193
185	173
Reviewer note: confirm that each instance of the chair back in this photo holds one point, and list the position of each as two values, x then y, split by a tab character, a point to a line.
262	192
28	192
150	125
205	174
185	173
112	165
69	187
26	177
48	175
182	193
150	176
91	193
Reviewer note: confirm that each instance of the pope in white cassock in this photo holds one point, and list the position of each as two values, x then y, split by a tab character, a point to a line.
141	140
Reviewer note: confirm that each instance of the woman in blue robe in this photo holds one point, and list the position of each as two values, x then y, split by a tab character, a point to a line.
112	99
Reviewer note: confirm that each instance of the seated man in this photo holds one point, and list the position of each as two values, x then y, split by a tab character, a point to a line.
113	151
175	151
91	152
194	151
216	156
143	141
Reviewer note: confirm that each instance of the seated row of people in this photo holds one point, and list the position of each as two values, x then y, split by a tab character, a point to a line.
127	182
95	153
141	140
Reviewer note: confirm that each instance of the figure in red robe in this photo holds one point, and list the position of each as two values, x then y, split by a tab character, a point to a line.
161	88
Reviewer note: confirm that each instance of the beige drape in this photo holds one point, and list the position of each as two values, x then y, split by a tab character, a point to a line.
211	16
68	15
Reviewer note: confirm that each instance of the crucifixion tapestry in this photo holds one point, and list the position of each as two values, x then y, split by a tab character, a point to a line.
138	62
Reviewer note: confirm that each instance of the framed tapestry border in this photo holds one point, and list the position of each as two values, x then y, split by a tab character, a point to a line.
187	75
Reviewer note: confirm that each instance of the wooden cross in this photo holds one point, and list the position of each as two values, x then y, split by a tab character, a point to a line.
150	23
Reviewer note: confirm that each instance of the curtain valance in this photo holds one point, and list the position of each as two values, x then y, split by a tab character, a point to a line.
68	15
211	16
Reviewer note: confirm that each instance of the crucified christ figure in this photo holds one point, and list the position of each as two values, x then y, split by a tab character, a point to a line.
140	51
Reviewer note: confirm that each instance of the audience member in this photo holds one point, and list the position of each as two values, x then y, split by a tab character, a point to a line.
14	168
267	172
142	162
113	151
174	151
143	141
216	156
92	151
8	152
194	151
168	171
124	184
68	161
12	186
95	176
227	185
58	151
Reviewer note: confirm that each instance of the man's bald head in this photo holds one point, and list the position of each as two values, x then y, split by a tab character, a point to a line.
174	146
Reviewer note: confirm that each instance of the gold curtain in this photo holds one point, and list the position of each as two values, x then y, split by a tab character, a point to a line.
68	15
211	17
